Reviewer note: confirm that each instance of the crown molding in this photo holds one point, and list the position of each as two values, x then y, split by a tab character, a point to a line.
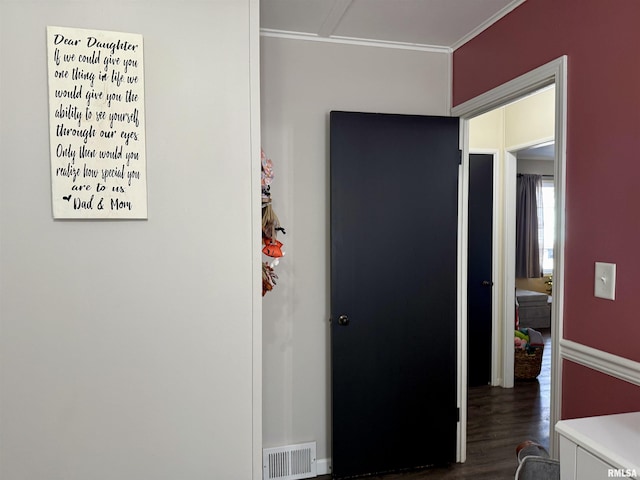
338	12
266	32
487	23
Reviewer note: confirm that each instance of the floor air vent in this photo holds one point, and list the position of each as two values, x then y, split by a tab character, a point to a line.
292	462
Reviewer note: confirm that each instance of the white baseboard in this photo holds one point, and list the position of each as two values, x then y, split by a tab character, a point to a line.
323	466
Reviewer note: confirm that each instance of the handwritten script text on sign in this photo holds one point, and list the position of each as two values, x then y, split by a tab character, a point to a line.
96	96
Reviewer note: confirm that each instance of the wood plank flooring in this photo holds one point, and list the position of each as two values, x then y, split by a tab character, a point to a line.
498	420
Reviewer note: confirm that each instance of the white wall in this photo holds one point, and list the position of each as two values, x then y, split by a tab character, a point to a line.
487	131
302	81
530	121
523	123
127	348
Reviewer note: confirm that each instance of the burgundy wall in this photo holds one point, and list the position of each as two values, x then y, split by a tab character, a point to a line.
600	39
587	392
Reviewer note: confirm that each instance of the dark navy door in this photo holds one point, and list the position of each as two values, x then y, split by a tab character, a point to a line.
394	204
480	284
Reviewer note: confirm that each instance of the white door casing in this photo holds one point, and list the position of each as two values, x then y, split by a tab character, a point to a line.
554	72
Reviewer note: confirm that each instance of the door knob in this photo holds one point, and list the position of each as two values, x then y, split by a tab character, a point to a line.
343	320
487	283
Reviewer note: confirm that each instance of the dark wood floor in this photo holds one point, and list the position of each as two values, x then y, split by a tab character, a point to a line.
498	420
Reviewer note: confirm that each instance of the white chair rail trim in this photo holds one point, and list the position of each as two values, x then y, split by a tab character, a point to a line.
618	367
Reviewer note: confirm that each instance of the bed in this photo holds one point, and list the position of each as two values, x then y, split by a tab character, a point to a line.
534	309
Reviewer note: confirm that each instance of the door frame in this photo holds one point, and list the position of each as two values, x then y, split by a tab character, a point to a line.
554	72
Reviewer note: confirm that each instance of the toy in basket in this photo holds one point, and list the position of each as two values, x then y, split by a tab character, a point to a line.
529	347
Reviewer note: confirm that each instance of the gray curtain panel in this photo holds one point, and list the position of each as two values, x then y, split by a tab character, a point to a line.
529	195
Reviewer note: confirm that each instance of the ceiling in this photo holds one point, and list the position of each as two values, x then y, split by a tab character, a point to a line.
443	24
545	151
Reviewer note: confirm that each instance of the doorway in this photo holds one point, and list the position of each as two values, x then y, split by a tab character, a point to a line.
553	73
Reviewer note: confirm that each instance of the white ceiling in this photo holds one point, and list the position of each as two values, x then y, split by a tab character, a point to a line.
428	23
545	151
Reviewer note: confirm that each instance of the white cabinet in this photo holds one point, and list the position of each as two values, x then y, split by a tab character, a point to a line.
602	447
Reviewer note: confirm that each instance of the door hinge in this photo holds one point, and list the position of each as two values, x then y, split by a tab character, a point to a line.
458	414
459	157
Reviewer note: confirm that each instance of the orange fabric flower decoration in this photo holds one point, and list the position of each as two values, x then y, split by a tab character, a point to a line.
272	248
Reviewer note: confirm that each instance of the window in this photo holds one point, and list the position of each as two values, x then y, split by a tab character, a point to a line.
547	224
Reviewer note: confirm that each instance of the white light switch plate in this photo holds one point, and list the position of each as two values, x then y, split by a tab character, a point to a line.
605	282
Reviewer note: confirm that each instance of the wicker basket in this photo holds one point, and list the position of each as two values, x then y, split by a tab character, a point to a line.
527	365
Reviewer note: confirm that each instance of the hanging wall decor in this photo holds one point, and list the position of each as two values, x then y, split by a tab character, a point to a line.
270	228
96	124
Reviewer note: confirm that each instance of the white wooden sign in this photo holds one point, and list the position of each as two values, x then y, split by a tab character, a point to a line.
96	124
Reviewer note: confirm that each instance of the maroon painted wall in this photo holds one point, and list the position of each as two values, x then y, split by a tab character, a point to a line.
600	39
587	392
